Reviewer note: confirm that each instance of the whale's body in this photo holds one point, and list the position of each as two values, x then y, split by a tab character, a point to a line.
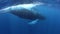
24	12
27	14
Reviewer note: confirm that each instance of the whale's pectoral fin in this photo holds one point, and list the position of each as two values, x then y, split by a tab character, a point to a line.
34	22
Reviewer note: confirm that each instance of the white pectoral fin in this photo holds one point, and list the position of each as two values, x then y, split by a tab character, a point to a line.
34	22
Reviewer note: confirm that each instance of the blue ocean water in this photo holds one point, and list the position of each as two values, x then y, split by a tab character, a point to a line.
11	24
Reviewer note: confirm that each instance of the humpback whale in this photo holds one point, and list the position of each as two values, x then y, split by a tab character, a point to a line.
24	11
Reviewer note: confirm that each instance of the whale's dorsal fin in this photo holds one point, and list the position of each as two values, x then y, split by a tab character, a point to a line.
34	22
